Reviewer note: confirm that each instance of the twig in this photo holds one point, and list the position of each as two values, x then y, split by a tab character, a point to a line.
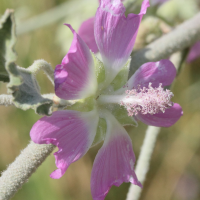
22	168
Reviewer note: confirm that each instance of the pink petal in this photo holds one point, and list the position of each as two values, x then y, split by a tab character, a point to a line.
115	33
75	78
170	117
162	71
114	163
86	32
71	131
194	52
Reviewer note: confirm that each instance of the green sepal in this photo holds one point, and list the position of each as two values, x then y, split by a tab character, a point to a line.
121	79
26	91
99	69
101	132
83	105
7	42
121	115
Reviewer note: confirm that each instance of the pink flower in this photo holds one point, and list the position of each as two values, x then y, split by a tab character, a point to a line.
194	52
104	99
86	32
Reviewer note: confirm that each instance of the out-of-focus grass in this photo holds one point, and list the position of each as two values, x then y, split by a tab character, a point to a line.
174	171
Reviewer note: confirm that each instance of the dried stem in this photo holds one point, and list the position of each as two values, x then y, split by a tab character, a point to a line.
22	168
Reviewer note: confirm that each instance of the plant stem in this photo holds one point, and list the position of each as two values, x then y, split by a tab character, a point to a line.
143	162
180	38
22	168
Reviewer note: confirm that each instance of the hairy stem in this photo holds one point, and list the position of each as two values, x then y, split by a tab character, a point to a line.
180	38
42	65
6	100
143	162
22	168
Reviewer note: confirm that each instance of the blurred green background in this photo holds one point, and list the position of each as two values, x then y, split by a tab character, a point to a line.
175	166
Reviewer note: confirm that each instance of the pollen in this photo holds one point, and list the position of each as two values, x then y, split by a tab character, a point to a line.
147	100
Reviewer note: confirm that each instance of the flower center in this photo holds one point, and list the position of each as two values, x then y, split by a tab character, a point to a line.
146	100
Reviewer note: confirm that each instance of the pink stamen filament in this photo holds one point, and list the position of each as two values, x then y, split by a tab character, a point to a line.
146	100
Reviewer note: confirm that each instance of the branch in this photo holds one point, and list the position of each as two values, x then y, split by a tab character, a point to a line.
180	38
22	168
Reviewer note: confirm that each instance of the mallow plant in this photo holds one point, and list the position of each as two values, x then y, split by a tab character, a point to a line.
105	100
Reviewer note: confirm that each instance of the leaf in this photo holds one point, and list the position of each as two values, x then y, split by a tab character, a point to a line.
7	42
26	91
22	83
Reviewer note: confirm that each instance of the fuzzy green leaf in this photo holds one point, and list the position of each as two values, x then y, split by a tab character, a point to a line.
7	42
26	92
22	83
